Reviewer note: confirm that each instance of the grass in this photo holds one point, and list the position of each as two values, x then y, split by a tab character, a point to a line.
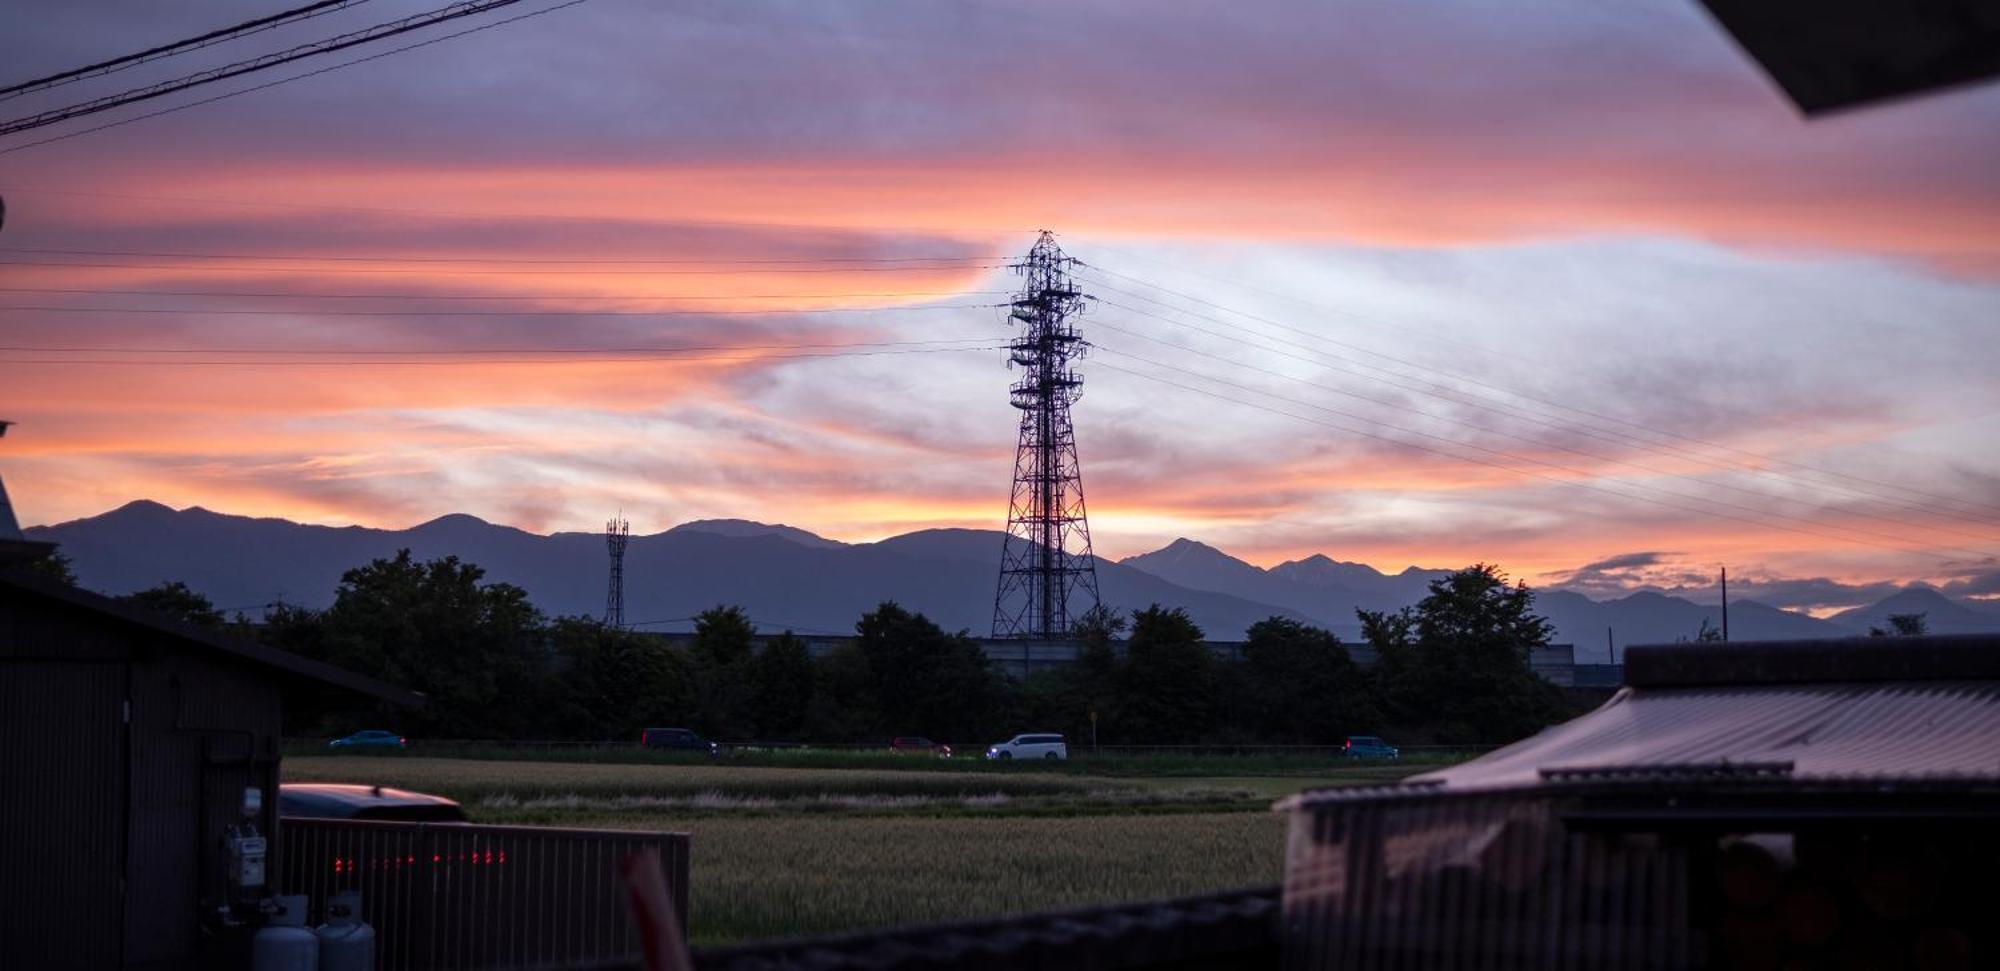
758	878
781	851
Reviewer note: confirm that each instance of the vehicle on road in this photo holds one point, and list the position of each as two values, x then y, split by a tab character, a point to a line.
1366	747
919	745
371	738
326	800
679	740
1040	746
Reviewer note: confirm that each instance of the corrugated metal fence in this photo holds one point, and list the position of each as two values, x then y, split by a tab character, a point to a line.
458	896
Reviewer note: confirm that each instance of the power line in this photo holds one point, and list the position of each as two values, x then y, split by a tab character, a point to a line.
1431	391
463	8
285	80
210	39
234	312
997	260
259	363
282	294
212	268
1581	427
466	213
984	339
1699	510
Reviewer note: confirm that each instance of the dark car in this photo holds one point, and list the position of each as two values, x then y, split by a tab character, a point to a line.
1369	747
327	800
677	739
372	738
919	745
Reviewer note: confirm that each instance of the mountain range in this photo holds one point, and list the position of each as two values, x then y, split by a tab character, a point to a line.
786	577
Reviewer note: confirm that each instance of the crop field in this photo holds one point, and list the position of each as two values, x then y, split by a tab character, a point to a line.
787	851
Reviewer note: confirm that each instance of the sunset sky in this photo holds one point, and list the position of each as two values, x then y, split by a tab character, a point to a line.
1565	286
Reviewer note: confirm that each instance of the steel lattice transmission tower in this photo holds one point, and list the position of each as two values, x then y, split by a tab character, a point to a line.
1046	567
616	533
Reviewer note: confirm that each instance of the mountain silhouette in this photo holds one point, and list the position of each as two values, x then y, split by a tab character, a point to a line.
786	577
782	576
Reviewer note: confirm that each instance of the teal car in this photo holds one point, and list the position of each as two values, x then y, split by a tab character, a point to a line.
373	738
1367	747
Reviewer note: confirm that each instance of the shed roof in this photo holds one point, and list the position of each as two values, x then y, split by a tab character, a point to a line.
198	638
1816	712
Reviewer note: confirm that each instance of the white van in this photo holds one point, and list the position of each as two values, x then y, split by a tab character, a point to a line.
1030	747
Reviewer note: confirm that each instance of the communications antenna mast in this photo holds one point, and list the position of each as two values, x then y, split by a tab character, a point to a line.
616	533
1048	577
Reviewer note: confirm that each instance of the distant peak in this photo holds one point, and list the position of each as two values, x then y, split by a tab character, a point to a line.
746	528
450	520
142	507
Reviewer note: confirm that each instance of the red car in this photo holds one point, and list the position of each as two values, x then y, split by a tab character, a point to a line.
918	745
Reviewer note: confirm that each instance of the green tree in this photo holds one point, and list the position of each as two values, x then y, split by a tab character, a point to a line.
1456	664
1303	685
1167	683
175	600
781	687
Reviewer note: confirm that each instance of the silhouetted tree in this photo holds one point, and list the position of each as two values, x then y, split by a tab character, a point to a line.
1167	685
175	600
475	650
56	566
613	683
723	638
1457	663
1301	684
1903	625
843	706
928	682
781	687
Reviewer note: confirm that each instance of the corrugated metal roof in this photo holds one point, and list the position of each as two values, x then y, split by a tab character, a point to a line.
1896	730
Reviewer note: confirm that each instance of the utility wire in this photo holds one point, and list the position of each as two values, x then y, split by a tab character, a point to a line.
1698	510
423	313
1467	379
996	260
284	80
213	37
464	8
1433	391
986	339
1468	398
315	362
280	294
433	271
469	214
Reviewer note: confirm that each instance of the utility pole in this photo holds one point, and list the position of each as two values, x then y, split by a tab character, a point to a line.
1725	604
1046	559
616	533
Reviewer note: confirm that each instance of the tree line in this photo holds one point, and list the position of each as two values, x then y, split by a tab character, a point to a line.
1451	669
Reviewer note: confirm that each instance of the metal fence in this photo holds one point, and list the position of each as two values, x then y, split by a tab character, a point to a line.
461	896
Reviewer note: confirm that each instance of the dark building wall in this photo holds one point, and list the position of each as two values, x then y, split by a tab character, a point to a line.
119	825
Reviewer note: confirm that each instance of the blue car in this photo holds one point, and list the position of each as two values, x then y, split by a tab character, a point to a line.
1369	747
372	738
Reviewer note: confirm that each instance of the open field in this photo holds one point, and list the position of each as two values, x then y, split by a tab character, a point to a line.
786	851
1143	763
